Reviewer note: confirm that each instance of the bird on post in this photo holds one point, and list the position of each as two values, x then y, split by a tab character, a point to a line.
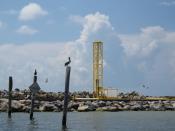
67	63
35	73
35	76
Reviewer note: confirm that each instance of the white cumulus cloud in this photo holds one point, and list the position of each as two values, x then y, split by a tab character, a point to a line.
26	30
49	58
144	43
91	24
152	52
31	11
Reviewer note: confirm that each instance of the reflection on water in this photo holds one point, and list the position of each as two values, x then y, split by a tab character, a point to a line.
90	121
65	129
10	123
33	125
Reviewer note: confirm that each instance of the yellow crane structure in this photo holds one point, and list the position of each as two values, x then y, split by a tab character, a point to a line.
97	69
101	93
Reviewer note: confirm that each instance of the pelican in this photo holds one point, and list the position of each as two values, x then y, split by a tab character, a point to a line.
67	63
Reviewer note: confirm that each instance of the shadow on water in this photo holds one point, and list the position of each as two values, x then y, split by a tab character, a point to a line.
10	123
64	129
33	125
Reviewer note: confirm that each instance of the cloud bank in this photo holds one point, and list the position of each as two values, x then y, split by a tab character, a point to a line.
147	56
152	52
48	58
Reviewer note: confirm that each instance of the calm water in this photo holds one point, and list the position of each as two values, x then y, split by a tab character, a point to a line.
91	121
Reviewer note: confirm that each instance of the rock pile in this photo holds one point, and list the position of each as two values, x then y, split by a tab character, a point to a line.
57	106
53	101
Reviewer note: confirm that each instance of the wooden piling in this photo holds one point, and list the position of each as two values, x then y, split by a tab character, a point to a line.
32	106
33	88
66	95
10	97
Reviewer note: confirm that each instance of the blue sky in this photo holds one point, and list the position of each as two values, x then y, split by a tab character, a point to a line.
138	36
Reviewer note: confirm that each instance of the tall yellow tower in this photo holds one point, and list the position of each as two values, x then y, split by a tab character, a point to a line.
97	69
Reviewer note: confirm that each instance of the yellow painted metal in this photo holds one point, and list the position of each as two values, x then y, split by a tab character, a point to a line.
101	93
125	99
97	69
98	90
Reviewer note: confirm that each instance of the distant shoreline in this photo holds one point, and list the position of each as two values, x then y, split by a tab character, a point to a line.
53	102
86	106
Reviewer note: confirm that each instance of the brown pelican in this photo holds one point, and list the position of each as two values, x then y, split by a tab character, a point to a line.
67	63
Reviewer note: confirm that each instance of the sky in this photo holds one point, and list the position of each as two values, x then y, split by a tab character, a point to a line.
138	39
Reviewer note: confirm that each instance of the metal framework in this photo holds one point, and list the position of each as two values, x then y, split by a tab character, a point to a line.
97	69
109	94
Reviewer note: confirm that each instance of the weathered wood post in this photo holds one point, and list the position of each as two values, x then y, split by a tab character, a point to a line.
66	94
33	88
32	106
10	96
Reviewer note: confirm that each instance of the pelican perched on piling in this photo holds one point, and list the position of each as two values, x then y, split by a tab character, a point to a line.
67	63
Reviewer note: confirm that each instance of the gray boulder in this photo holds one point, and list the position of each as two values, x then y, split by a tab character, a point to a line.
3	104
85	108
108	108
17	106
48	107
101	103
136	107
